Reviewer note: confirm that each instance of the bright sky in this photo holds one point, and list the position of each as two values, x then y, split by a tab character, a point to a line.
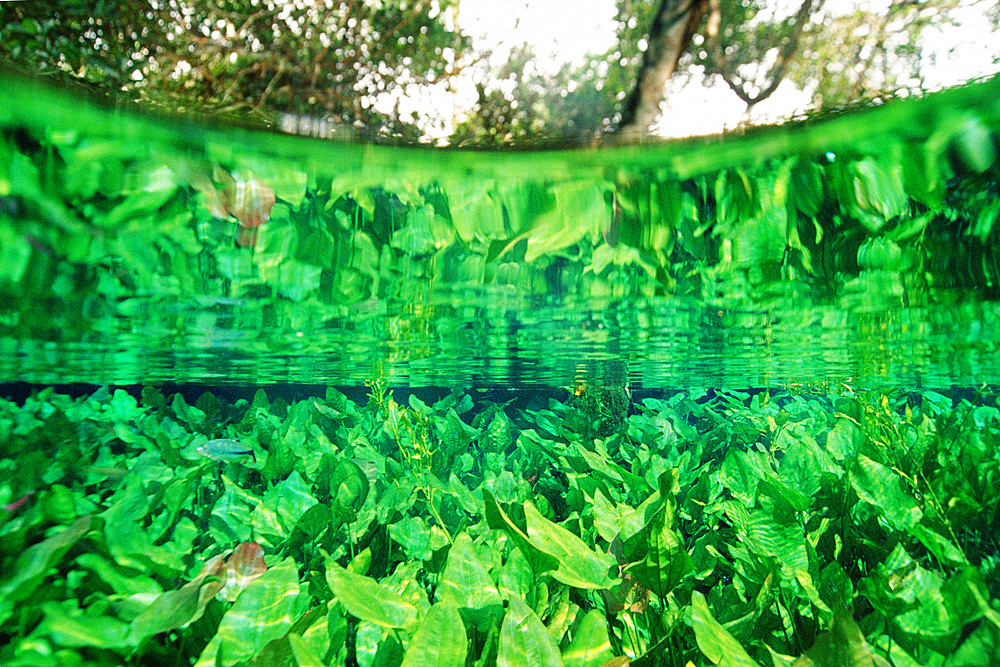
566	30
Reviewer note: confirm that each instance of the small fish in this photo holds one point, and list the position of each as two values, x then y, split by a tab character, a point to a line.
226	450
10	507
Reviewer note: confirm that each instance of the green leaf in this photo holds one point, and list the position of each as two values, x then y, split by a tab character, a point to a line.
736	196
290	498
843	645
942	548
418	539
537	559
844	439
35	564
806	188
786	542
177	608
578	566
524	640
881	487
465	581
590	646
127	540
81	629
304	656
714	641
665	561
349	484
262	613
877	191
741	473
615	520
367	599
440	640
231	519
122	581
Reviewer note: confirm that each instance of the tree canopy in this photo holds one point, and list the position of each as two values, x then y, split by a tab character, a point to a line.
249	58
258	59
839	57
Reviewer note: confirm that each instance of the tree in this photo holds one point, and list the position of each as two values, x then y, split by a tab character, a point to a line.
673	27
752	45
838	57
249	58
336	60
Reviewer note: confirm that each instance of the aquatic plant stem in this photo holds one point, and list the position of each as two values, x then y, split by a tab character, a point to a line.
418	460
939	508
632	633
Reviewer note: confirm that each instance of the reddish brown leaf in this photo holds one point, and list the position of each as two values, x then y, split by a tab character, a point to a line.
245	564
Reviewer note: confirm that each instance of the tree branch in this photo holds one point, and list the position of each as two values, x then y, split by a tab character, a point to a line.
670	36
777	73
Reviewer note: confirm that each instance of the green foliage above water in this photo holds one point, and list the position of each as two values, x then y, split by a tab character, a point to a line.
705	528
251	60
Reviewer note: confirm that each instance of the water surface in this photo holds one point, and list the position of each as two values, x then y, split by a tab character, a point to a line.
860	248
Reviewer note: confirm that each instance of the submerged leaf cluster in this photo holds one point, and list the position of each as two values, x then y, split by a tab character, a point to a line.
691	528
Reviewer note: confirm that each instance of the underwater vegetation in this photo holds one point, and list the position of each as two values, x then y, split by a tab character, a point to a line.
587	528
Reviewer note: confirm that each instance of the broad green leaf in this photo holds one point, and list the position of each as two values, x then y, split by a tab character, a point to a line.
348	484
736	195
974	144
121	580
881	487
877	191
34	565
912	597
82	628
577	203
231	519
665	560
516	577
982	641
290	498
590	646
537	559
613	520
440	641
304	656
806	188
314	521
579	566
418	539
844	439
786	542
714	641
939	545
599	463
465	581
803	463
741	473
262	613
128	539
843	645
177	608
367	599
524	640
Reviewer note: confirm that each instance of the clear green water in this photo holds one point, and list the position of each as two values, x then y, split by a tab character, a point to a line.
860	248
719	401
